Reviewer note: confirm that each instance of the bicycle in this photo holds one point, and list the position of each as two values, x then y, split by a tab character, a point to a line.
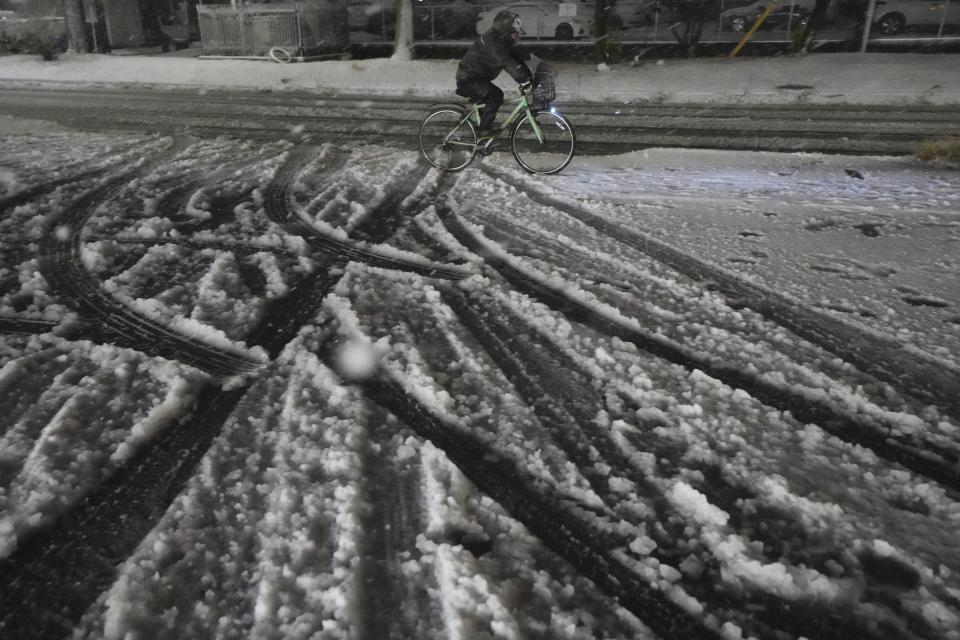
542	140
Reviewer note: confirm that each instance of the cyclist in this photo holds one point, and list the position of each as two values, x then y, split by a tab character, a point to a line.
490	54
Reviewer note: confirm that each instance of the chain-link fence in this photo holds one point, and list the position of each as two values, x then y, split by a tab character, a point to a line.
253	29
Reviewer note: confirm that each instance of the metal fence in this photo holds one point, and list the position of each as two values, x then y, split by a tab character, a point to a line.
657	21
251	29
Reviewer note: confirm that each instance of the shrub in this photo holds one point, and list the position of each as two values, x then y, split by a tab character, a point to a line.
608	48
798	38
947	149
45	36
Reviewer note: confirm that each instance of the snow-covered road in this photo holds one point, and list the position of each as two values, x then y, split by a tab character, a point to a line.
277	391
611	126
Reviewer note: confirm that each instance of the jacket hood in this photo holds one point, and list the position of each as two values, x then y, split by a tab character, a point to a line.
503	23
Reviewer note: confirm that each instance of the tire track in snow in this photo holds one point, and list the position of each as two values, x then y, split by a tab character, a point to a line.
909	370
17	405
349	104
400	607
565	401
527	499
56	574
924	458
855	129
185	188
25	326
565	410
234	247
107	527
31	193
280	211
118	157
397	607
62	266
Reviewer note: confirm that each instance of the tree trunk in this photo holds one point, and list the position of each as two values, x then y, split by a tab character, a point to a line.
601	9
403	46
688	26
77	41
816	18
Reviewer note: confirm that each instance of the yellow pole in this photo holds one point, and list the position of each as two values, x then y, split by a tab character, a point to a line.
753	29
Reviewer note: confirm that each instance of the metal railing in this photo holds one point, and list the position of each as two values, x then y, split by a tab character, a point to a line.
645	21
252	29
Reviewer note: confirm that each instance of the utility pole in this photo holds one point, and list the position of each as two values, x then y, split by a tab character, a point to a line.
866	27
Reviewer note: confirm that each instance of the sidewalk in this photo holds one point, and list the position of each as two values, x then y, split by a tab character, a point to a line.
834	78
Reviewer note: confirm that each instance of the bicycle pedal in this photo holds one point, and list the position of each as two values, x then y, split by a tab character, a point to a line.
486	147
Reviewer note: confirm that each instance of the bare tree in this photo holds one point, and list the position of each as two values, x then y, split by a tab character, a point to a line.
403	44
76	26
601	11
688	18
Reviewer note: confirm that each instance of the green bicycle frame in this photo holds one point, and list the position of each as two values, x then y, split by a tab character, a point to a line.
521	106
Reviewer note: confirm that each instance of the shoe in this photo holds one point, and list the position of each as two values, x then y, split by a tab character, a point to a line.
485	146
483	134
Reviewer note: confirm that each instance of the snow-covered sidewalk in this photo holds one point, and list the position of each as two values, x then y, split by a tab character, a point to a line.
870	78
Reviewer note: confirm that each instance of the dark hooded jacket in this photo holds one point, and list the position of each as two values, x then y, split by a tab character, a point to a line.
494	52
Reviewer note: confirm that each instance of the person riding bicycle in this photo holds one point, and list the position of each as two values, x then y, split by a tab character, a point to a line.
490	54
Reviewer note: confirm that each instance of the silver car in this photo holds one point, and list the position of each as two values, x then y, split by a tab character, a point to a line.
893	16
550	21
787	14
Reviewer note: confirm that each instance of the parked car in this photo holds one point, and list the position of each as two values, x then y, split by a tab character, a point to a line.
893	16
623	14
787	14
431	18
540	21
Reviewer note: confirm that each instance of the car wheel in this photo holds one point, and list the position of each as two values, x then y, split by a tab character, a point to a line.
891	23
564	31
738	23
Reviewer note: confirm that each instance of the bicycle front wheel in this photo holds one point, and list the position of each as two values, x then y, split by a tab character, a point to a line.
448	139
549	152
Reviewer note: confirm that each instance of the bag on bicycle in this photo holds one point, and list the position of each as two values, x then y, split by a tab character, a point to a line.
544	86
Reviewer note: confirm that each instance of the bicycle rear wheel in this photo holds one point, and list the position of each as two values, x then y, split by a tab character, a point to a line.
555	151
447	139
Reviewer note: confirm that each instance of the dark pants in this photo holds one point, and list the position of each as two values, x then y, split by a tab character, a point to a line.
482	91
